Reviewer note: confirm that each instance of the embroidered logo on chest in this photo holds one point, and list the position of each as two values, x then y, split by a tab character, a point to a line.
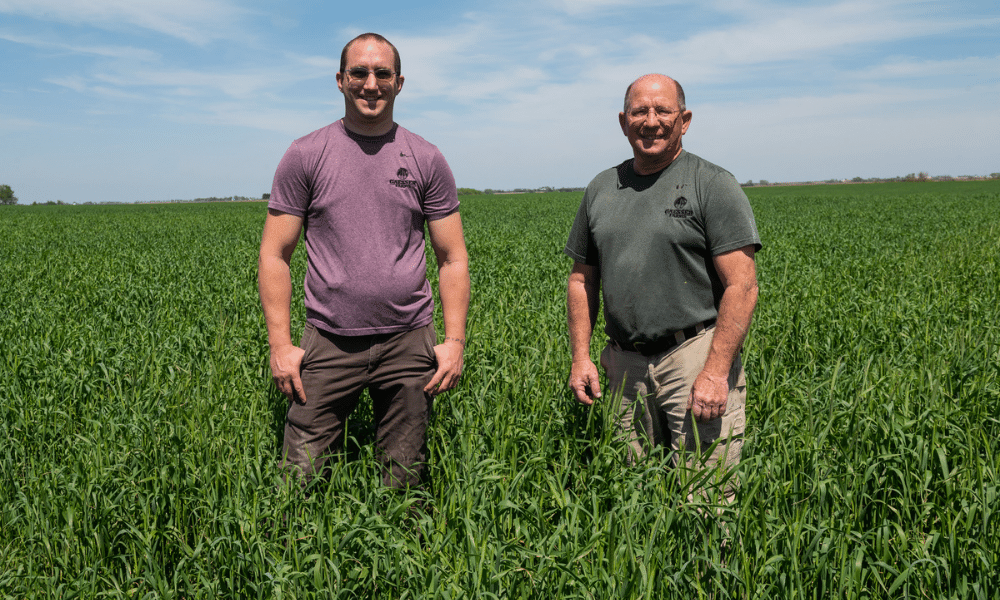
678	211
401	180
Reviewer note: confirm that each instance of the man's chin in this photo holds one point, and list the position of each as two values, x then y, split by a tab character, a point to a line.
371	108
652	150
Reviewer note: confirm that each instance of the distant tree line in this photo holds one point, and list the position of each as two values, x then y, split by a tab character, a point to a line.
541	190
7	196
921	176
223	199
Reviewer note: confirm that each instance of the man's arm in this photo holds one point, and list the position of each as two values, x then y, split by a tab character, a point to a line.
448	243
281	235
582	301
738	273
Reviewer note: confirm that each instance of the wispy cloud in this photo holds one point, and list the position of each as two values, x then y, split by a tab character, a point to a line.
486	60
911	68
104	51
248	83
195	21
187	82
290	123
19	124
583	7
793	36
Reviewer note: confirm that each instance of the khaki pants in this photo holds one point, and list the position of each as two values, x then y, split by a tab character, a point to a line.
335	370
654	398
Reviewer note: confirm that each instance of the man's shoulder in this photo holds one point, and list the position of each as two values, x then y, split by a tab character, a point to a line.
608	177
694	162
416	141
322	135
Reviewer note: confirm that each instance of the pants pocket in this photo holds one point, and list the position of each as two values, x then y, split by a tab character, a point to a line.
307	343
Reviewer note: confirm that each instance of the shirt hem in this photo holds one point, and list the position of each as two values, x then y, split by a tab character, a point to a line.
361	331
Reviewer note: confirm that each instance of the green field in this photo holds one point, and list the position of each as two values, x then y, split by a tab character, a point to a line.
139	431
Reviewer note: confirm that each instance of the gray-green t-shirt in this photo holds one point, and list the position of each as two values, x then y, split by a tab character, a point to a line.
653	238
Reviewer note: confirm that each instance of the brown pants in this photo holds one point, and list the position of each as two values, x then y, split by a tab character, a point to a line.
654	396
394	368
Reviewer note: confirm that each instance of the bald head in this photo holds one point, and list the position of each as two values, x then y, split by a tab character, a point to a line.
655	80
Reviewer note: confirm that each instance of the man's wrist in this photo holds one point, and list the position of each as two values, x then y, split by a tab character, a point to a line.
461	341
716	378
279	345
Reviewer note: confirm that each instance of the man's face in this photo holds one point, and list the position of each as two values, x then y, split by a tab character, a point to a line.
654	123
369	98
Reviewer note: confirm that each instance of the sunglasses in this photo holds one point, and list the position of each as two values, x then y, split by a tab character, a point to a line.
361	74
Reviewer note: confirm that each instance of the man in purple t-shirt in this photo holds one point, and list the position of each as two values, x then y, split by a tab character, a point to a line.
362	189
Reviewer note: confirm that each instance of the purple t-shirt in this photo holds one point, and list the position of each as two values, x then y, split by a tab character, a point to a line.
364	201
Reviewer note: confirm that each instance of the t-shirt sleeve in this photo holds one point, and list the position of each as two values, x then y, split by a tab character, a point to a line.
580	246
290	190
729	220
441	195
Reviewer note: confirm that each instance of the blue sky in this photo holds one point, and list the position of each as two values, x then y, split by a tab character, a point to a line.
142	100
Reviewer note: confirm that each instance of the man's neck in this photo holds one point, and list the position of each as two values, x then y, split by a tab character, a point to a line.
375	129
648	167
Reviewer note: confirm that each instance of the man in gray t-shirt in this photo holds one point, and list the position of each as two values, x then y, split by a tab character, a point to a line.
668	239
362	189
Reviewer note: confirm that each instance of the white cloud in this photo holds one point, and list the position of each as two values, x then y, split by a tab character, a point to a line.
249	84
186	82
912	68
485	62
195	21
487	59
18	124
791	35
582	7
291	123
73	82
104	51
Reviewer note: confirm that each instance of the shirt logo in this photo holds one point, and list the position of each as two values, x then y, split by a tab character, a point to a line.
678	211
401	180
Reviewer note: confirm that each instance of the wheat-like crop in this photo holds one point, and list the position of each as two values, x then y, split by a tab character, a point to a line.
140	431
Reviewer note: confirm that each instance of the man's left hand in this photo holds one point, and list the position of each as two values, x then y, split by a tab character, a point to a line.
449	367
709	395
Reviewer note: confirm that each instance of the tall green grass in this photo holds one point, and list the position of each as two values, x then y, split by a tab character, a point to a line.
141	433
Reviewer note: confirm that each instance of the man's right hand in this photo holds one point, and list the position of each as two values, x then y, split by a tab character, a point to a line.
584	382
286	362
